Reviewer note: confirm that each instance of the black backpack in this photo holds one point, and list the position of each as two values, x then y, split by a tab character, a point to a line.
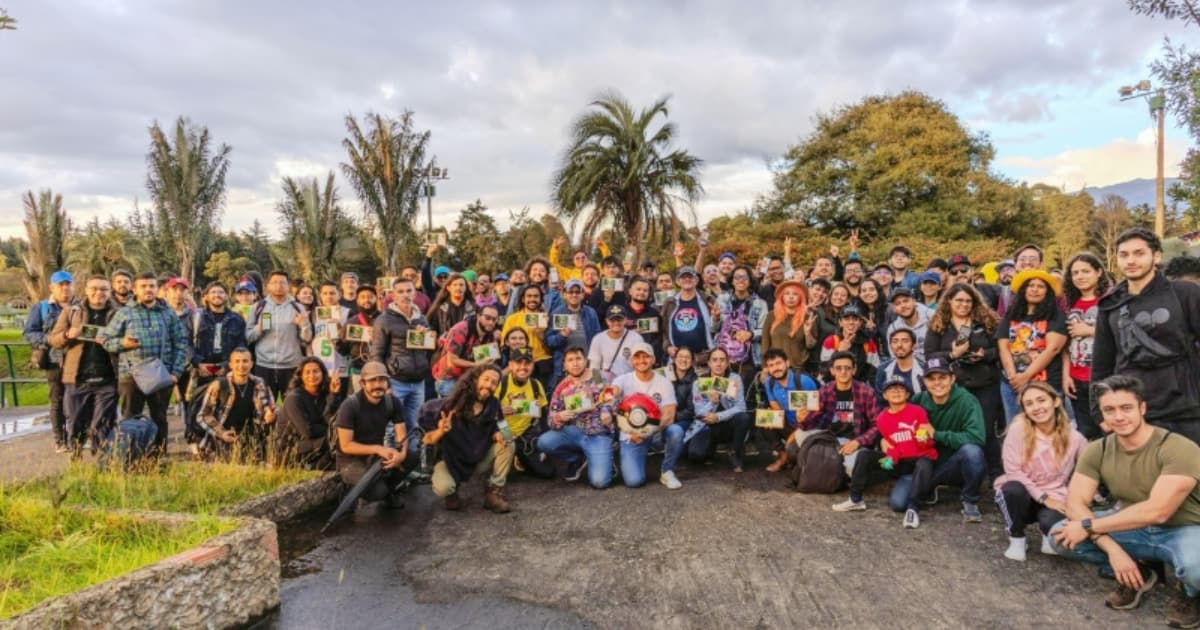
388	410
819	468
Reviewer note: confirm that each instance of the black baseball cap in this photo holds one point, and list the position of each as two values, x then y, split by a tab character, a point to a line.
937	364
900	292
521	354
615	312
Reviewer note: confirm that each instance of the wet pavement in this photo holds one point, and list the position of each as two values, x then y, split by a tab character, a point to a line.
726	551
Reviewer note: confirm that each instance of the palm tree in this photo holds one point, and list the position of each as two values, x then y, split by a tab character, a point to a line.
385	166
186	180
47	226
313	224
619	171
102	249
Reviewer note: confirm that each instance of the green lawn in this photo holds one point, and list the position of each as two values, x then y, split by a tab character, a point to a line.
47	552
37	395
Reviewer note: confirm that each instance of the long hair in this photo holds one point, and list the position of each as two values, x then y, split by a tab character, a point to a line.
780	315
1062	423
878	311
298	383
1070	292
1019	309
443	294
526	289
463	395
727	364
980	312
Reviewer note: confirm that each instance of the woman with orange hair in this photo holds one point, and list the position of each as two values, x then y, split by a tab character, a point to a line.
791	326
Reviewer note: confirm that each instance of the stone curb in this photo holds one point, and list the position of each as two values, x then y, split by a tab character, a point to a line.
290	502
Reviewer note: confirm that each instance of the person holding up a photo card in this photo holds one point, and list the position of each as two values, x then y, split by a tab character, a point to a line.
610	352
573	323
457	355
635	449
722	412
406	367
533	319
643	317
358	352
89	372
687	321
523	403
846	408
212	332
781	379
329	326
740	317
537	274
581	427
279	330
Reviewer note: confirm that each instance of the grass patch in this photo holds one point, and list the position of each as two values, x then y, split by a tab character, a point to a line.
190	487
47	552
29	395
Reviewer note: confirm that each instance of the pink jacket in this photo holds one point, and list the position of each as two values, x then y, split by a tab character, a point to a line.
1043	473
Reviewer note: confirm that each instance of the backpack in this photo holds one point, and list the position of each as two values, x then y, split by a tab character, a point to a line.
40	356
735	322
819	468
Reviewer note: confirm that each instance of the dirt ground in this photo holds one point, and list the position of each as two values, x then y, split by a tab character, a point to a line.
726	551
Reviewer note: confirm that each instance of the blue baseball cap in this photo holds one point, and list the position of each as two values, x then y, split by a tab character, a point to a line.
726	255
932	276
500	277
61	276
245	286
441	271
573	283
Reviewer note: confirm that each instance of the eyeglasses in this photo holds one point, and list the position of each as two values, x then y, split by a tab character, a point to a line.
741	277
961	271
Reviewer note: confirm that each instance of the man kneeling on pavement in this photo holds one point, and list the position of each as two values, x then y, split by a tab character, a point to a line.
1154	475
362	421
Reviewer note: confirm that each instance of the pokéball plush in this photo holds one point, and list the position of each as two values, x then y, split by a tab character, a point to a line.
638	415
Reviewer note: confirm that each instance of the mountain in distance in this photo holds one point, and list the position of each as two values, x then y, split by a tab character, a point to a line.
1135	191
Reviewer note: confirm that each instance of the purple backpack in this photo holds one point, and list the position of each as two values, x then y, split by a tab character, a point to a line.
733	323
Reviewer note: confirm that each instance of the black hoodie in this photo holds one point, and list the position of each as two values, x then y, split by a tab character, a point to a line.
1153	336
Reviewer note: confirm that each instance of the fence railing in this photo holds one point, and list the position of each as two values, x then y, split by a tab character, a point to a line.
10	379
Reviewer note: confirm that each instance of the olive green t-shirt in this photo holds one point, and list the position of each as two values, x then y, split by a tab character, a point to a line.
1130	475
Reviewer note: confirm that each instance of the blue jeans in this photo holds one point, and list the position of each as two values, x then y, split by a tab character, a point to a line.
443	387
633	456
411	397
965	469
1012	406
570	442
1177	546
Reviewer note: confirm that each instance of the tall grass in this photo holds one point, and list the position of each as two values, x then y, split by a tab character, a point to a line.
191	487
47	551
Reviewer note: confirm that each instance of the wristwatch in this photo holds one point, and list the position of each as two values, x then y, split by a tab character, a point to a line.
1087	525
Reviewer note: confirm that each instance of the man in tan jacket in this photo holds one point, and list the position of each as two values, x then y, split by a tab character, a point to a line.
89	372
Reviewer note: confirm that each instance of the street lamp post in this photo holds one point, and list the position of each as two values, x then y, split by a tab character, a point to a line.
430	175
1157	100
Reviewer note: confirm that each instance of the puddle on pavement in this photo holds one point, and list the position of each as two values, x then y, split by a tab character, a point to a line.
14	426
297	538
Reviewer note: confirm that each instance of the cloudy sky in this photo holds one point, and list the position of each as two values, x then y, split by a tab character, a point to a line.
498	84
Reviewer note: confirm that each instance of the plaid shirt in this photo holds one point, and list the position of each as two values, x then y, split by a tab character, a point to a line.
866	407
158	331
220	396
589	421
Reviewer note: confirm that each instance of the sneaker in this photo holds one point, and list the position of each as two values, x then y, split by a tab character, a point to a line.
1125	598
575	469
1184	611
669	480
970	513
850	505
1048	548
1016	549
912	520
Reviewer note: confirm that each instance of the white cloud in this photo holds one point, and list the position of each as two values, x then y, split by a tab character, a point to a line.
1120	160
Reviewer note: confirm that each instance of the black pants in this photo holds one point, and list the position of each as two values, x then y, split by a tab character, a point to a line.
91	411
1019	510
704	444
868	462
133	402
58	415
994	421
353	471
1088	424
277	379
543	371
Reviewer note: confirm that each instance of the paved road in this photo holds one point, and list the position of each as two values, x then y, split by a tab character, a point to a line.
724	552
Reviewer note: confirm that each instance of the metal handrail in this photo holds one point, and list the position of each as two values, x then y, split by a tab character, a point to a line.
12	380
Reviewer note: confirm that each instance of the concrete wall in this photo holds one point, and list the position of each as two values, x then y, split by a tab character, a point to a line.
225	582
291	502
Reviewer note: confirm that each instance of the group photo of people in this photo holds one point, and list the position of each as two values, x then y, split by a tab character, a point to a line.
1067	399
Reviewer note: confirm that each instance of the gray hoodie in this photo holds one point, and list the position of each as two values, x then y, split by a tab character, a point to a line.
282	346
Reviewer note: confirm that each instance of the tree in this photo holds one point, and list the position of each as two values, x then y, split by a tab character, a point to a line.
47	227
227	269
102	249
618	170
312	226
1068	217
475	239
7	23
186	180
896	166
1112	216
386	162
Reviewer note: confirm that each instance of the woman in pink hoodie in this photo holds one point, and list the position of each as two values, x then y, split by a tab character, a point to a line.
1039	455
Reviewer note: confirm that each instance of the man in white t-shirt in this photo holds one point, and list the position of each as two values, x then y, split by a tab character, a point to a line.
634	448
611	350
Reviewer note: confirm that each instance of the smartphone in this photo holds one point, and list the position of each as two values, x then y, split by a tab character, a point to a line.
964	334
704	238
265	318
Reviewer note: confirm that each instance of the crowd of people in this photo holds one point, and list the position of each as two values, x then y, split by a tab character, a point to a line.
1074	397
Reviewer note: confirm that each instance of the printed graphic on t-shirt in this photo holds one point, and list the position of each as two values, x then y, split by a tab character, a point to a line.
844	412
686	319
1027	340
1080	348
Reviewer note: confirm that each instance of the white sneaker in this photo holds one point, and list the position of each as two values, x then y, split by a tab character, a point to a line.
1047	548
850	505
1016	549
669	480
912	520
